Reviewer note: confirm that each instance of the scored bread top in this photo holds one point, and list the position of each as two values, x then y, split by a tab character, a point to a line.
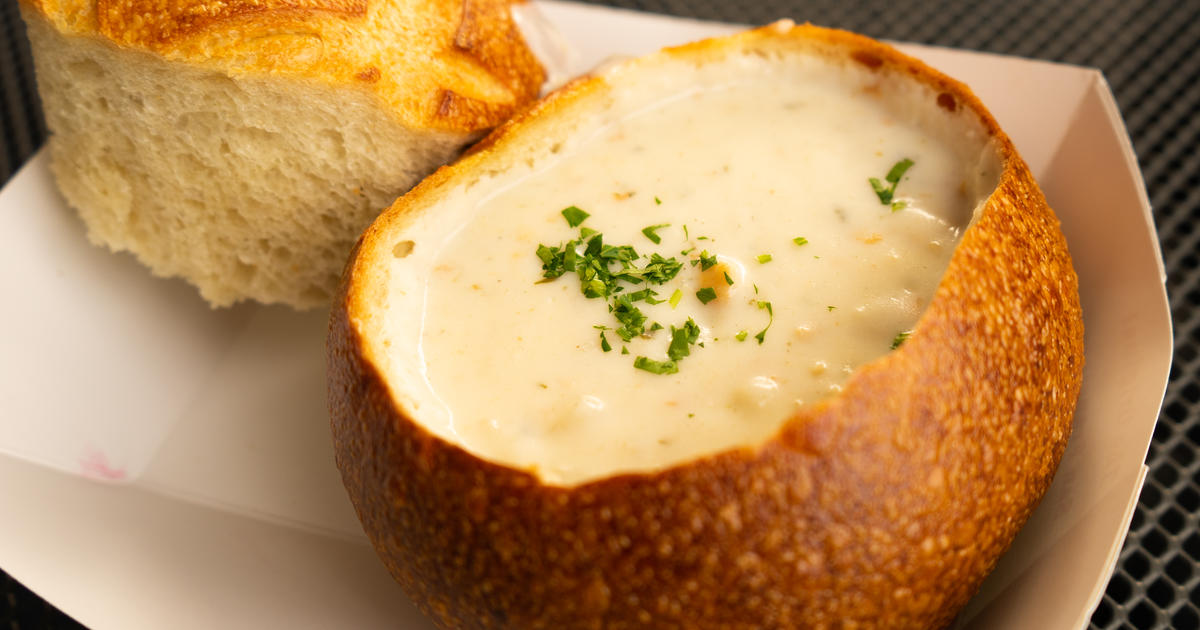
455	66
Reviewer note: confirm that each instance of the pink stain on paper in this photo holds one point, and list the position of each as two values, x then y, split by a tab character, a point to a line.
93	464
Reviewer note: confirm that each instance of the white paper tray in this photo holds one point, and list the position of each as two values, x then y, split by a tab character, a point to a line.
221	506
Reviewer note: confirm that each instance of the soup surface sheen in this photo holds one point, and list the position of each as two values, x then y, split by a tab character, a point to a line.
770	180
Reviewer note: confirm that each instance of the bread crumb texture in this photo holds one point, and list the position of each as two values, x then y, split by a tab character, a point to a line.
245	144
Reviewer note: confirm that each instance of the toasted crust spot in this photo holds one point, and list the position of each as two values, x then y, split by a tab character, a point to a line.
946	101
154	24
867	59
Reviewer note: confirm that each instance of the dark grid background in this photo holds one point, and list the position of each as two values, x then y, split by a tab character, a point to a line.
1150	52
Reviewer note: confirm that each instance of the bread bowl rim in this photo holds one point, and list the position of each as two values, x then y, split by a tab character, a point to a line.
866	51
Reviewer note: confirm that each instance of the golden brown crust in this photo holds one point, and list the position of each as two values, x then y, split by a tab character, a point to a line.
883	507
410	53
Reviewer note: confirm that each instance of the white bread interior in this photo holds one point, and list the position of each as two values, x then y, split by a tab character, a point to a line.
248	187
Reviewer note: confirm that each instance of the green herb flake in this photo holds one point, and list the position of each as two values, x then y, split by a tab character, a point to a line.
800	240
707	260
657	201
624	349
604	345
650	232
675	297
898	171
899	205
633	321
762	334
682	340
901	337
595	288
728	280
764	259
706	295
886	192
655	367
660	270
882	191
830	308
741	336
645	295
574	216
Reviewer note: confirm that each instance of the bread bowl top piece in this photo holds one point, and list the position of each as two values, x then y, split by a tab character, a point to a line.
453	66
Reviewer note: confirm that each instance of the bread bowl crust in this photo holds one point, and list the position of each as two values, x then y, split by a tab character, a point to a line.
459	65
884	506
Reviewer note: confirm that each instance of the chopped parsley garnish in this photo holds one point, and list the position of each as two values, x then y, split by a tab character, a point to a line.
762	334
901	337
633	321
574	216
660	270
682	340
622	278
655	367
887	192
830	308
650	232
800	240
658	202
764	259
645	295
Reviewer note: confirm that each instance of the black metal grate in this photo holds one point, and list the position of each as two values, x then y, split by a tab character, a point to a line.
1150	52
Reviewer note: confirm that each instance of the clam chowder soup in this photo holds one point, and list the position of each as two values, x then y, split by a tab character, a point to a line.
688	273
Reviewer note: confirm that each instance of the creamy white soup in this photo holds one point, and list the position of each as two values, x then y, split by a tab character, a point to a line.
684	279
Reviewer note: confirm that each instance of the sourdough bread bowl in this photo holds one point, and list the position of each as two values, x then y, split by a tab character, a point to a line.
245	145
879	499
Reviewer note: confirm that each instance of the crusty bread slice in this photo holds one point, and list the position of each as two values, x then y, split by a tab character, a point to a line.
245	145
